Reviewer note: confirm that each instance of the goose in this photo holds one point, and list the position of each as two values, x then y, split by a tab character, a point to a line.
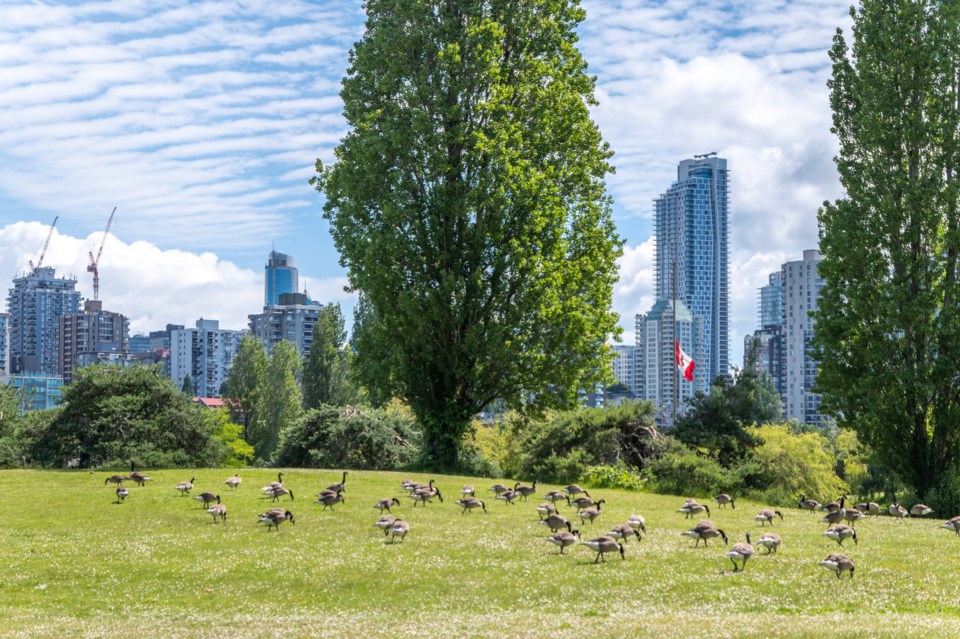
470	503
218	510
853	515
186	486
740	552
269	487
768	515
920	510
834	506
872	508
329	501
525	491
573	489
590	513
121	494
234	482
207	498
896	510
546	509
623	532
407	484
399	528
424	495
693	508
115	479
557	495
809	504
468	491
723	499
954	525
637	522
279	491
138	478
834	516
385	522
582	502
384	504
564	538
705	532
342	486
839	533
508	496
499	489
603	545
414	486
771	541
839	564
275	517
555	522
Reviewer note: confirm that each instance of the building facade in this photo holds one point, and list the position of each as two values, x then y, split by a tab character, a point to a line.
4	344
801	292
692	256
89	337
291	319
771	301
37	390
205	353
36	303
280	276
625	366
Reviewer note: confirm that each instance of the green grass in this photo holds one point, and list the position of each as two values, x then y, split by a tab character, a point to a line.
77	564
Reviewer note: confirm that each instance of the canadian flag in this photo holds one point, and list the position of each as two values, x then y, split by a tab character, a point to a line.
684	362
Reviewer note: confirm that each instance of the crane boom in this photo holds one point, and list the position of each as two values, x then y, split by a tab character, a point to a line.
93	267
43	250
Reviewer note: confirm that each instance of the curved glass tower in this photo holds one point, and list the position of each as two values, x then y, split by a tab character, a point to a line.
280	276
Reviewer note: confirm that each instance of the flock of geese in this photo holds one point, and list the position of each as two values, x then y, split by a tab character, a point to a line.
836	515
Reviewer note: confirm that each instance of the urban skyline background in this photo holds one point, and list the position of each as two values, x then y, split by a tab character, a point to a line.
201	121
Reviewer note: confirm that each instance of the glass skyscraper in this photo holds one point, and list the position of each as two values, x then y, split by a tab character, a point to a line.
692	254
280	276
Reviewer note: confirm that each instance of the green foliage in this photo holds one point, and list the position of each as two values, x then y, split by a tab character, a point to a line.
794	464
619	477
680	470
348	437
187	387
327	373
17	442
246	381
278	399
230	434
468	205
888	319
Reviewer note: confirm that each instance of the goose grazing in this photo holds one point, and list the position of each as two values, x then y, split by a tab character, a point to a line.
637	522
809	504
424	495
384	504
564	538
692	508
218	510
603	545
276	516
234	482
269	487
705	531
468	491
385	523
399	528
740	552
138	478
557	495
768	515
839	564
723	499
186	486
471	503
839	533
555	522
508	496
207	498
954	525
853	515
115	479
414	486
121	494
834	516
920	510
342	486
545	509
872	508
279	491
329	501
590	513
525	491
573	489
896	510
623	532
499	489
771	541
581	502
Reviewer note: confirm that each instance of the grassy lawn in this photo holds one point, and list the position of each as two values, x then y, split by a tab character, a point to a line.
79	565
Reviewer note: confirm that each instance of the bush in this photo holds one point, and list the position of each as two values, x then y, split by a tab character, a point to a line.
793	463
682	471
618	477
349	437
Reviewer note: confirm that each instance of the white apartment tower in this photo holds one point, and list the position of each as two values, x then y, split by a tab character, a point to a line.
205	353
801	291
656	357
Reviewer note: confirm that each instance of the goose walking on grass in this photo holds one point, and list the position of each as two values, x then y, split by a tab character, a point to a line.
468	491
115	479
525	491
234	482
425	495
508	496
555	522
276	516
853	515
138	478
896	510
809	504
546	509
637	522
269	487
329	501
840	533
207	498
692	508
953	524
385	523
498	489
218	510
385	503
340	487
723	499
920	510
573	489
771	541
471	503
603	545
564	538
591	513
839	564
768	515
556	495
121	494
705	532
279	491
624	532
836	515
399	528
869	508
581	502
186	486
741	552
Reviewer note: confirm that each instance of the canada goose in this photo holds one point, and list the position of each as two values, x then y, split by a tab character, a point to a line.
470	503
399	528
121	494
269	487
840	532
468	491
954	525
218	510
771	541
139	478
838	563
853	515
809	504
564	538
385	522
329	501
557	495
834	516
873	508
920	510
508	496
115	479
623	531
546	509
207	498
896	510
693	508
499	489
424	495
581	502
384	504
186	486
740	552
603	545
414	486
590	513
279	491
341	487
768	515
705	532
525	491
637	522
555	522
275	517
834	506
234	482
723	499
573	489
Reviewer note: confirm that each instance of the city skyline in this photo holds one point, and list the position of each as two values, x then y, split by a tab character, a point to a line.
201	125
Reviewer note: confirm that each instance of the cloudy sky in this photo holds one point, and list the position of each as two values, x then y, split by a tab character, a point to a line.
201	121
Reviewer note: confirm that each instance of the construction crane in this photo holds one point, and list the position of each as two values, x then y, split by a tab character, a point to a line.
43	249
95	262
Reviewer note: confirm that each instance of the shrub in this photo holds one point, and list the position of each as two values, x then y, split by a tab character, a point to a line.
682	471
237	452
795	463
619	477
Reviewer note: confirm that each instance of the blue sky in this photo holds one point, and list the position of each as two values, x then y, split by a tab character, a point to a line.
201	122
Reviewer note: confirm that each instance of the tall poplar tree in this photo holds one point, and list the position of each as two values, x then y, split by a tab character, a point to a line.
245	382
327	371
469	207
278	400
888	324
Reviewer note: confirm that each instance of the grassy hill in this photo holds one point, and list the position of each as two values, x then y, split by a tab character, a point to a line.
77	564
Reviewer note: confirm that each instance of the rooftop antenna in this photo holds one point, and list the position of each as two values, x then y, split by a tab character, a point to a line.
43	250
93	267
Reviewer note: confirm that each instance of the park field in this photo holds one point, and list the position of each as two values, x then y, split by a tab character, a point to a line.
77	564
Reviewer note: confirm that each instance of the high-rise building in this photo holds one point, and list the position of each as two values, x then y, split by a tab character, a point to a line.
801	292
765	347
280	276
205	353
90	337
160	346
139	343
656	357
292	319
771	301
36	303
625	366
692	256
4	344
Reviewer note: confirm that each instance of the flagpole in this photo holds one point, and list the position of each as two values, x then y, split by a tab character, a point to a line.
676	393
